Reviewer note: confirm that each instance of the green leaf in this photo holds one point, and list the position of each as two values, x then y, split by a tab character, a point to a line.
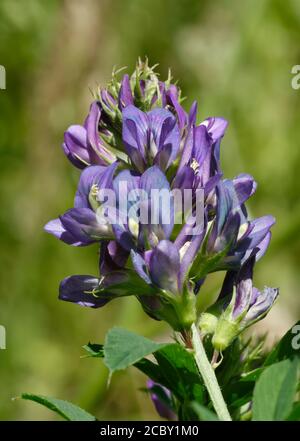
295	413
287	393
144	365
181	376
94	350
274	391
287	347
123	348
175	368
203	413
239	391
252	375
152	371
65	409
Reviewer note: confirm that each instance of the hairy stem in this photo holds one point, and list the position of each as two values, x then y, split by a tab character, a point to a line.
209	377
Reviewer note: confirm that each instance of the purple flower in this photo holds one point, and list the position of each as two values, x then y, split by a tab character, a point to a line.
112	257
162	269
144	208
138	147
125	94
201	150
159	266
162	400
228	219
216	127
95	292
115	280
232	237
75	146
172	99
98	141
150	138
166	266
82	224
82	290
247	304
83	145
245	186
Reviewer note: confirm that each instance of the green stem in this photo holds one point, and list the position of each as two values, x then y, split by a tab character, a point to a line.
209	376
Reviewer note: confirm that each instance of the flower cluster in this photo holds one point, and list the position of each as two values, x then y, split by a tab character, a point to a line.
137	144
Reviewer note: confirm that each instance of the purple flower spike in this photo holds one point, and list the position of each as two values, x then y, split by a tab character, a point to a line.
149	172
161	398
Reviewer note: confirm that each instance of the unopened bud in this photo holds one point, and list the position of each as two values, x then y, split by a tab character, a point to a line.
207	323
225	333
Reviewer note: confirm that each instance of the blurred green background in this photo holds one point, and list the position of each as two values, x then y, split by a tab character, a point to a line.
235	58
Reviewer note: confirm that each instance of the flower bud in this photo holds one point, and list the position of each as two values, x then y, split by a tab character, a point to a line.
225	333
207	323
247	305
162	400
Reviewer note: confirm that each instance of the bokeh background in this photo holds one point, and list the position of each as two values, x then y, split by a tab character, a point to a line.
235	58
